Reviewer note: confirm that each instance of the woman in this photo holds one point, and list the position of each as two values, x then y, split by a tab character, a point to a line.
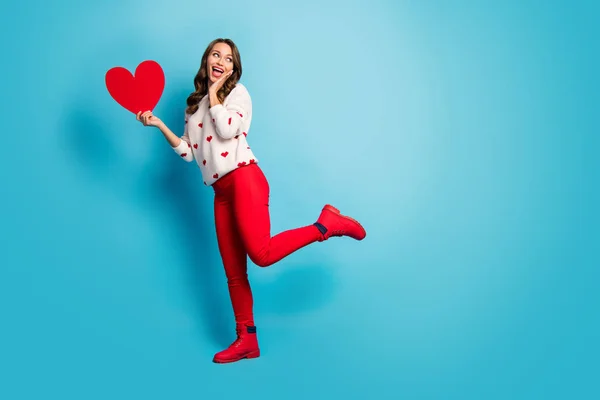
217	122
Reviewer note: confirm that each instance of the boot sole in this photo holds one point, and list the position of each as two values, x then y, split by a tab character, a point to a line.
252	354
334	210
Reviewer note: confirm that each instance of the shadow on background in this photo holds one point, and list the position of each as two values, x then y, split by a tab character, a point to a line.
169	189
175	189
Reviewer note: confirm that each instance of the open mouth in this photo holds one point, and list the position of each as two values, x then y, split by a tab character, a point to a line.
217	72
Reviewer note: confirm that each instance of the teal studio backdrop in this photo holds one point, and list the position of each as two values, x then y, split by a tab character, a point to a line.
463	135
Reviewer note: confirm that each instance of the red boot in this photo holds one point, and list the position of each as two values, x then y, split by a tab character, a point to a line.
332	223
245	346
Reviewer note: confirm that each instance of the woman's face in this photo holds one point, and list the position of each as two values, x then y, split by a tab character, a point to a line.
219	62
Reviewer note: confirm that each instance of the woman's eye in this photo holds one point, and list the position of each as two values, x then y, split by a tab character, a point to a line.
230	60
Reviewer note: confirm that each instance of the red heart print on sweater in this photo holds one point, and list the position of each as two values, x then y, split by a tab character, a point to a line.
242	164
140	91
245	134
183	154
252	161
203	162
208	139
215	176
200	124
224	154
195	145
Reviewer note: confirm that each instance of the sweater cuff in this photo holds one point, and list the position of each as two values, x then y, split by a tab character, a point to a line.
183	147
216	109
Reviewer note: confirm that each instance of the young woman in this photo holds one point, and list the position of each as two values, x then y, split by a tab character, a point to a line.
217	122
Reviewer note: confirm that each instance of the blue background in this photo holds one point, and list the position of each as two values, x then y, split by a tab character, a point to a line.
462	134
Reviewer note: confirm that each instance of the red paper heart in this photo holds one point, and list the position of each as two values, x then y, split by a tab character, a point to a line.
140	92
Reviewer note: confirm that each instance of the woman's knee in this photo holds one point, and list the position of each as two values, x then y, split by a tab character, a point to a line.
260	258
237	279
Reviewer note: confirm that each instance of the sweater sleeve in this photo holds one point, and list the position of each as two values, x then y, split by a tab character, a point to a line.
184	150
229	120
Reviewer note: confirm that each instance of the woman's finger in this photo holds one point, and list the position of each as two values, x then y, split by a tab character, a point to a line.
222	79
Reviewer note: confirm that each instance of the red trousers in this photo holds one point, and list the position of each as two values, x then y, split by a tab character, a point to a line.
243	228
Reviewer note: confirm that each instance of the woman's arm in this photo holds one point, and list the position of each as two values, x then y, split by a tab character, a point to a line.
181	145
173	139
229	121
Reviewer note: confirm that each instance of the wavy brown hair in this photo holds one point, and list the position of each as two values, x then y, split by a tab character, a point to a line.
201	78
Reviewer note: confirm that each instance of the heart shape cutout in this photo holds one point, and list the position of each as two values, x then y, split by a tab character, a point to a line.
138	92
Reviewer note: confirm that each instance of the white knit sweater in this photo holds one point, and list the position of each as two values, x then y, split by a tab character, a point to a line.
216	137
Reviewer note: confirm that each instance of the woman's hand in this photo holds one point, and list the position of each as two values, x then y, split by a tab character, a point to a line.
147	119
214	88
